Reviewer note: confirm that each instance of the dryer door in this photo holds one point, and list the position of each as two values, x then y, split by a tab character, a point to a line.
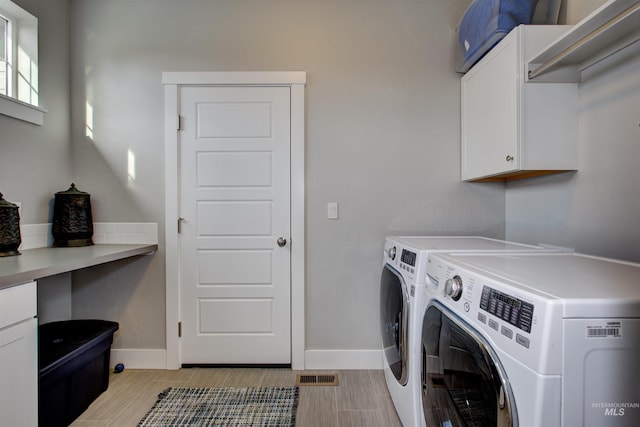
394	315
463	383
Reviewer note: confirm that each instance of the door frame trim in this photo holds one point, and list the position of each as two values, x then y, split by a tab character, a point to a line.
173	81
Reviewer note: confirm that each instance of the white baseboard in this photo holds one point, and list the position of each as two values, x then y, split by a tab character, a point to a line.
313	359
343	359
139	358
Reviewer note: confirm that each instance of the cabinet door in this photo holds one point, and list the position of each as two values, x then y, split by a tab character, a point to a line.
490	113
19	374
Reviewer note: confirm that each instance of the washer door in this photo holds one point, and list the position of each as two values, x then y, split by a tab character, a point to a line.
394	315
463	383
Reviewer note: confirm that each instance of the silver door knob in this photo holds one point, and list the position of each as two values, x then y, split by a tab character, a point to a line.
281	241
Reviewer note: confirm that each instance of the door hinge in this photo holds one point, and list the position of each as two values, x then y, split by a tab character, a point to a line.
179	329
180	219
179	122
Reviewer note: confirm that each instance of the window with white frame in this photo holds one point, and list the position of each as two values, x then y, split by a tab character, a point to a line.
19	91
4	28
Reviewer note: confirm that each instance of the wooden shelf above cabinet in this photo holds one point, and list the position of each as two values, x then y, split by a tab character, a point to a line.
514	176
610	29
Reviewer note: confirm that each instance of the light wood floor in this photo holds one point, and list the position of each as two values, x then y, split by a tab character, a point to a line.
361	399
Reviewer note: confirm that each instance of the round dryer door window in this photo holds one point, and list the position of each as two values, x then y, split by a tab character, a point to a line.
462	382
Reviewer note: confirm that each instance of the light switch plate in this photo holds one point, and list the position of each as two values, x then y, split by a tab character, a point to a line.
332	210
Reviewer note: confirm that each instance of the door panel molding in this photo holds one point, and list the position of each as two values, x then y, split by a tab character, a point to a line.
173	81
237	216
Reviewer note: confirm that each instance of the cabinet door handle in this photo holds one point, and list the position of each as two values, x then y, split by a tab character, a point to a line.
509	158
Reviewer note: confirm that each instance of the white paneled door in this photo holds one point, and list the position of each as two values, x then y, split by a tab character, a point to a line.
235	258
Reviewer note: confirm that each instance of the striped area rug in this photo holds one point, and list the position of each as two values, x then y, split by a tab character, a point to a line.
227	406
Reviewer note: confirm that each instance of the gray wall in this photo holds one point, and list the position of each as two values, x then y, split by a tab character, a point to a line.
382	140
595	210
35	160
382	137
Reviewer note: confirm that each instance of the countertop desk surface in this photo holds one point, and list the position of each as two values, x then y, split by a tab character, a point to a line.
34	264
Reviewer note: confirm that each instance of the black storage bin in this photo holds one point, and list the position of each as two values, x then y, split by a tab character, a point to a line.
74	368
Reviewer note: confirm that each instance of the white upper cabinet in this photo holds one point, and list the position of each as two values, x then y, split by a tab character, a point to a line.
511	129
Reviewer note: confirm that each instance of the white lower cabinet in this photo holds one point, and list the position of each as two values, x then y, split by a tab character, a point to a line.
512	128
18	356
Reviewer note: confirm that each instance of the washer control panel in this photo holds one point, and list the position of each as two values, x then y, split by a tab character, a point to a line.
408	258
401	258
409	261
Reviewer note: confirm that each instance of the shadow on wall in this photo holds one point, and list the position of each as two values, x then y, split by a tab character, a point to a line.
113	292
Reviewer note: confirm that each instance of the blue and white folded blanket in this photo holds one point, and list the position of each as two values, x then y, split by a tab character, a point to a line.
485	23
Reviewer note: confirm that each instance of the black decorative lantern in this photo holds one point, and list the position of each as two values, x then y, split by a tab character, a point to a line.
9	228
72	220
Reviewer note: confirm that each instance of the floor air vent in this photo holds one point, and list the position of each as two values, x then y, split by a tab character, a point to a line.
324	379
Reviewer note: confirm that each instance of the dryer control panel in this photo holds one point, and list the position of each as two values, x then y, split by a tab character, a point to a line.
515	319
517	312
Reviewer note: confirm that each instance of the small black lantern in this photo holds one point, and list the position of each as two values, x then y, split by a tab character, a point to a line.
9	228
72	220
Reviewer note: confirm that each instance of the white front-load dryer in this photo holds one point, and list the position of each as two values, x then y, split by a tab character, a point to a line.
531	340
402	307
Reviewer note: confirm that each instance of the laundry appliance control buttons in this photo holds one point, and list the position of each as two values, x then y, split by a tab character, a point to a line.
453	288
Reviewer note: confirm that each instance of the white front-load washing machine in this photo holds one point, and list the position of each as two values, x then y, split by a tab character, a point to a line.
531	340
402	306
